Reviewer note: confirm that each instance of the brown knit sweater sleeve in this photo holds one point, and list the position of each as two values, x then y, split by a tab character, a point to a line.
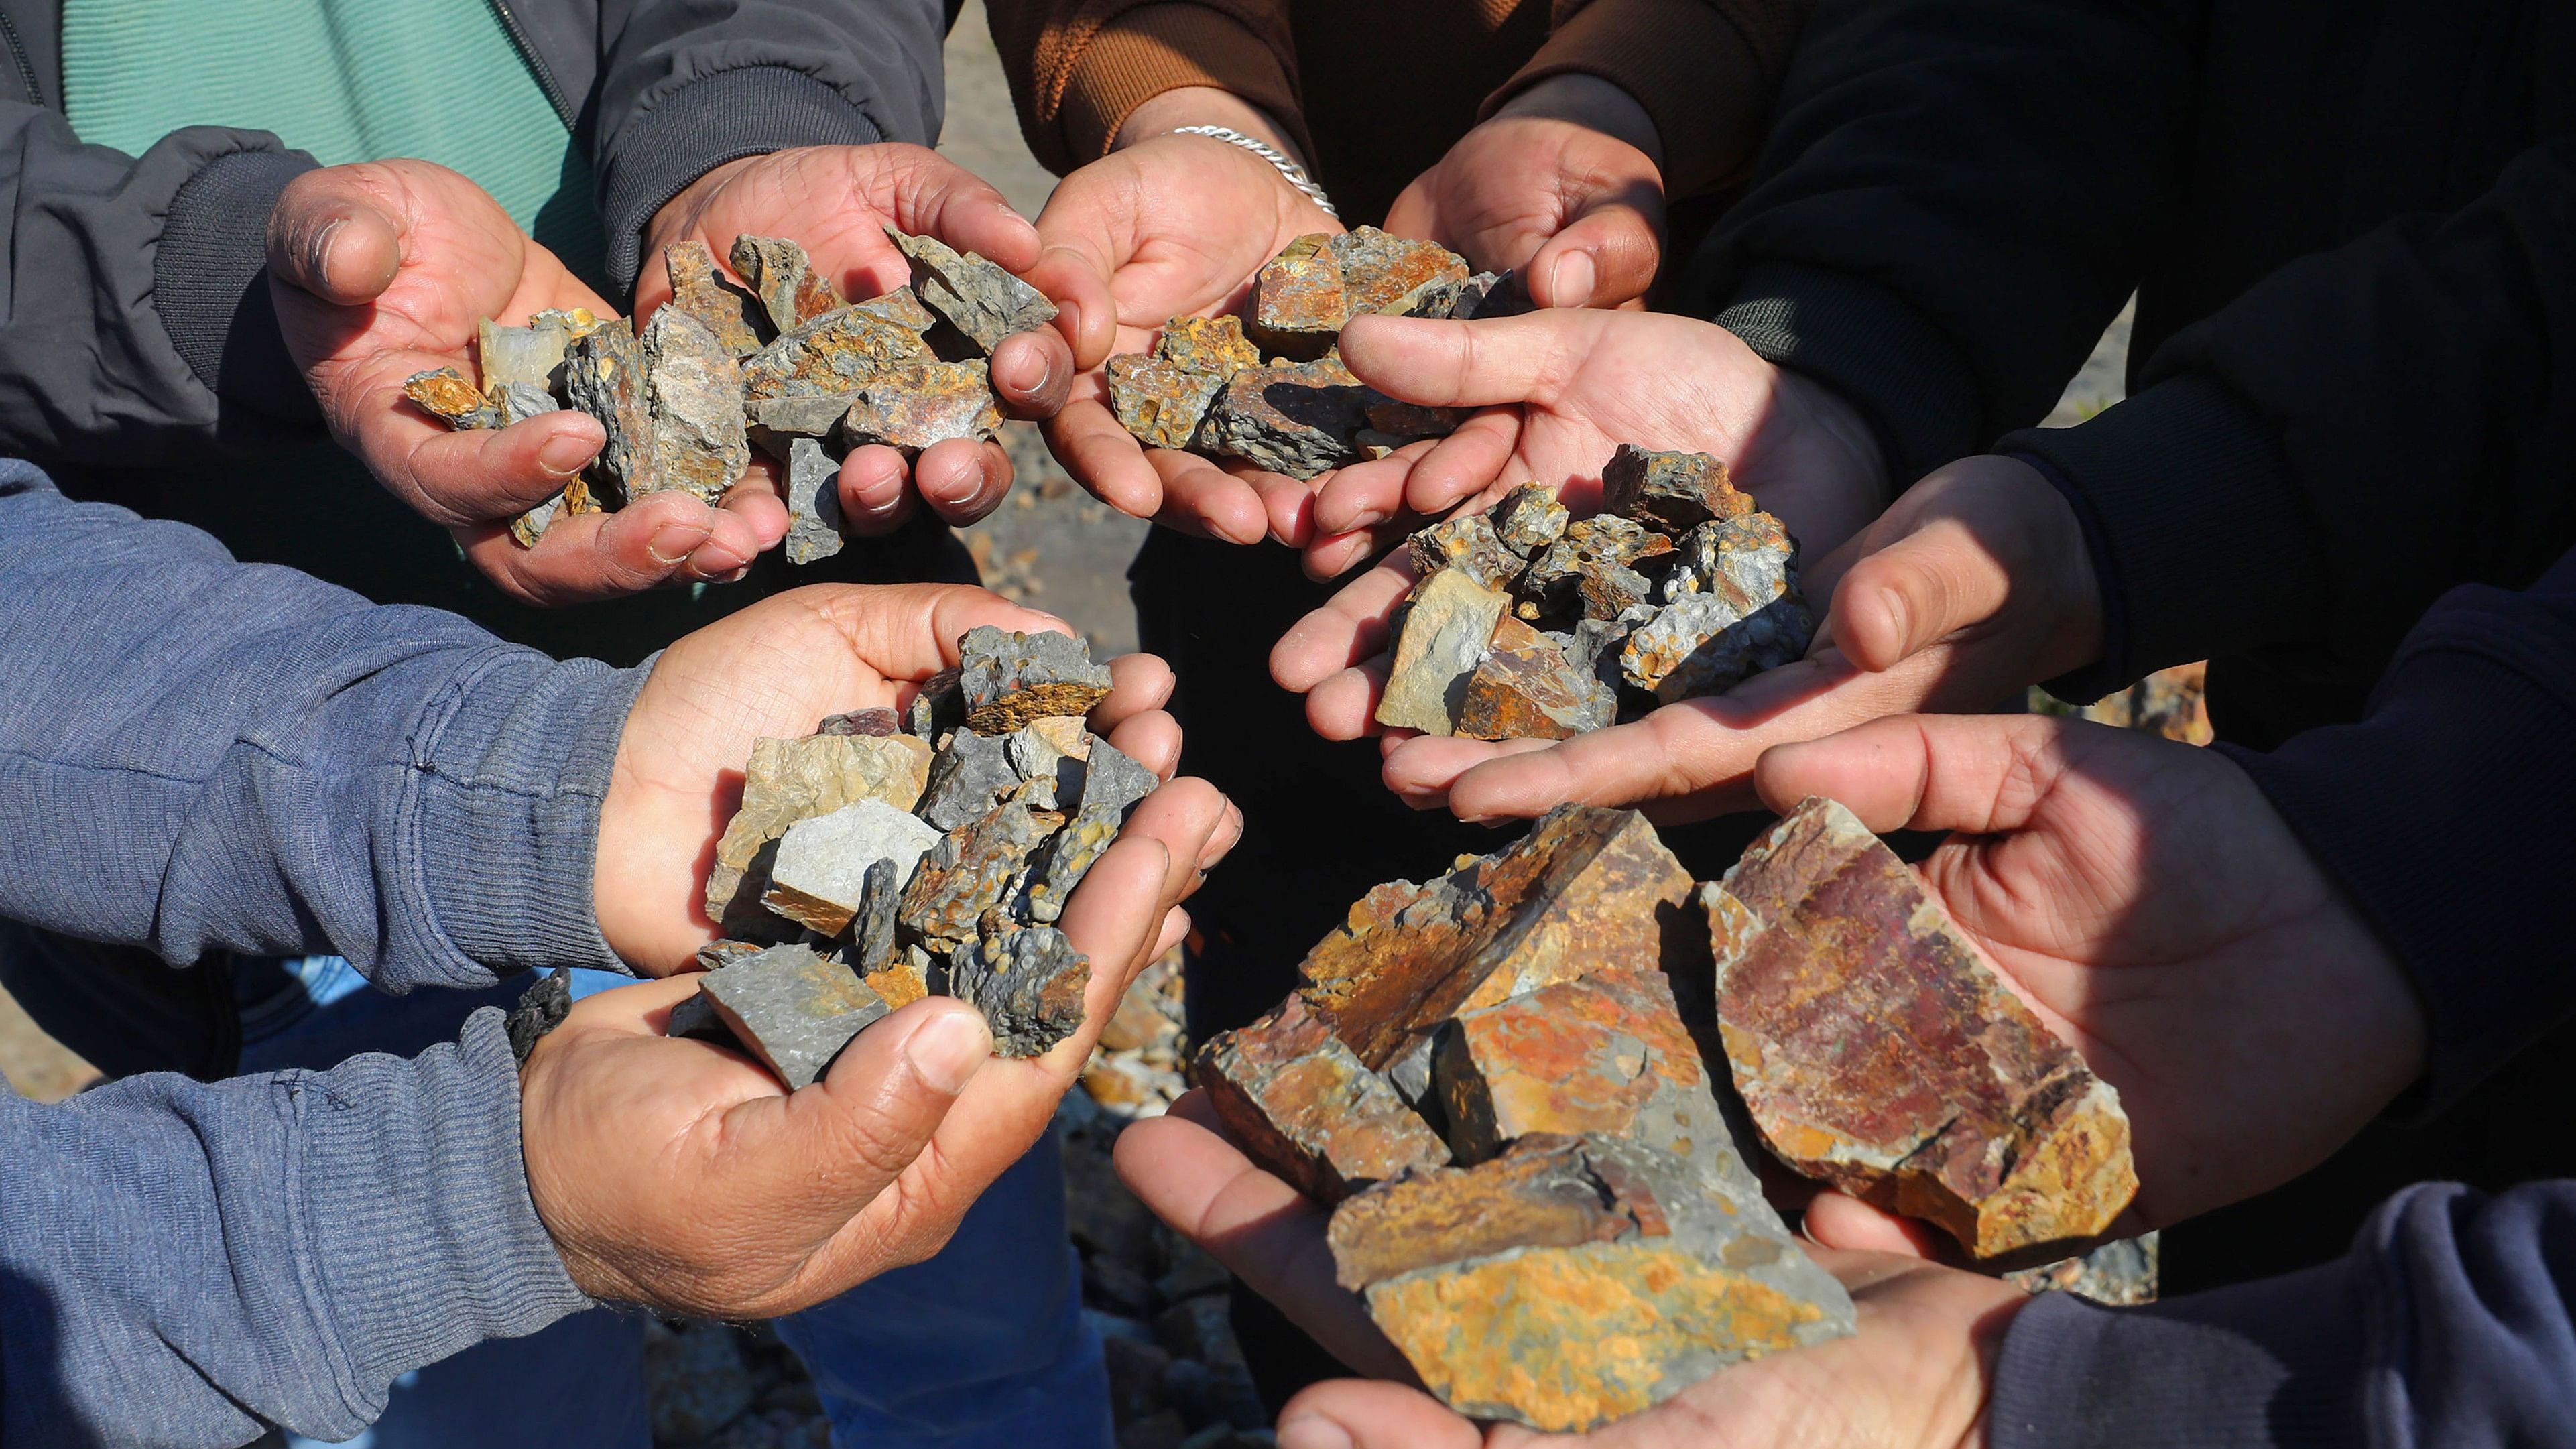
1706	70
1078	67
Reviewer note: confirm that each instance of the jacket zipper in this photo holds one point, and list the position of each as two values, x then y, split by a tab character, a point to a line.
518	37
18	53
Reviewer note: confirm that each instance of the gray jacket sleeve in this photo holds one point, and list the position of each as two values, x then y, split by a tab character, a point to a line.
136	327
687	85
196	753
181	1261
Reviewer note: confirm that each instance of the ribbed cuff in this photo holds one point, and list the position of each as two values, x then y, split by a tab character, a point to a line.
414	1195
2462	753
2214	551
2110	672
1690	67
1156	48
506	813
210	283
723	117
2278	1362
1871	346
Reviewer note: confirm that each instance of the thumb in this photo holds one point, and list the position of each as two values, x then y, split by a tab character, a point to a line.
1364	1414
1982	774
1606	257
1900	600
329	235
1466	364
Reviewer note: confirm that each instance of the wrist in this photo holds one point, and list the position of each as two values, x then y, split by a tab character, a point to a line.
1204	106
1840	431
1593	103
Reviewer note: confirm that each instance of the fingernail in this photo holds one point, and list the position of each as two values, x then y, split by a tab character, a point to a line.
716	560
673	542
1575	279
317	256
947	1049
1312	1431
1897	622
563	455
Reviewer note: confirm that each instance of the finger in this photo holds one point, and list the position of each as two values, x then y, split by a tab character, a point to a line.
1363	1414
1201	498
1344	707
1920	589
1605	257
876	491
481	474
1465	463
1104	458
960	208
1138	684
1466	364
910	631
331	236
668	537
1287	505
1327	559
1183	814
1427	765
1982	774
1262	1229
1837	1221
1368	493
1112	918
962	479
755	501
1033	373
1152	739
1078	283
1350	627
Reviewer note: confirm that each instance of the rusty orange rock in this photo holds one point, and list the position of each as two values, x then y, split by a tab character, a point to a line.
1305	1108
1577	1057
1878	1050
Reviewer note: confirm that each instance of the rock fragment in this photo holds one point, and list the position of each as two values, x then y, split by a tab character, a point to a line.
813	502
1444	638
1069	855
1112	780
791	780
1588	546
1876	1048
604	377
967	779
833	355
1029	984
819	877
978	298
1307	1108
1528	519
1298	303
1465	542
693	389
1297	419
732	316
532	355
1698	644
1488	294
791	293
443	393
1527	688
1006	680
1394	276
794	1008
1161	397
861	722
974	870
1580	1057
516	402
872	952
937	707
911	405
1671	492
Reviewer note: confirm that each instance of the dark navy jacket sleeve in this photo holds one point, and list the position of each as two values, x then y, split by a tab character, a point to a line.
196	753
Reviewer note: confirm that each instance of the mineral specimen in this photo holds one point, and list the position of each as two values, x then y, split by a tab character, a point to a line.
872	934
1528	519
1698	644
731	315
911	405
978	298
532	355
1206	344
444	394
937	707
1393	275
1297	419
1465	542
1070	853
1029	983
1445	635
1304	296
967	779
1305	1107
1162	397
1113	781
790	780
813	502
1526	688
1487	294
1671	492
782	276
861	722
832	355
1877	1049
604	377
1007	679
974	870
694	392
514	402
820	873
793	1008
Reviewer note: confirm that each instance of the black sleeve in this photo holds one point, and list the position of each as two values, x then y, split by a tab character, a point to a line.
687	85
1953	203
137	324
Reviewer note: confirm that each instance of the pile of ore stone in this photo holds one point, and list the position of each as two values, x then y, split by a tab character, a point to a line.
1206	389
780	362
1526	1090
890	856
1525	623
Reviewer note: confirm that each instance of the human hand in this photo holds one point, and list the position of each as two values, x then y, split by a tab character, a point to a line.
777	668
1565	182
1167	226
835	201
1975	583
383	269
1916	1374
678	1174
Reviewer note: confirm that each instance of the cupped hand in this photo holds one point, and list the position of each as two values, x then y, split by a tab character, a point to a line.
678	1174
776	669
1914	1377
2150	905
383	269
1171	226
1975	583
1563	183
836	202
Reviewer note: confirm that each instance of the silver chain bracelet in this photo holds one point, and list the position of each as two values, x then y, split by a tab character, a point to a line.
1295	174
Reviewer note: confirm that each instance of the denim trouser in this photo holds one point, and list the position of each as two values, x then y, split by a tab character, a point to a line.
982	1345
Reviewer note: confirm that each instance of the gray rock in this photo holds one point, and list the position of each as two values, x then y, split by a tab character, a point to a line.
694	391
1701	644
604	377
835	354
542	1008
1588	545
775	423
978	298
1300	419
1052	750
1528	519
1068	856
516	402
716	955
813	502
975	870
794	1008
530	526
1029	984
696	1019
1446	632
872	947
1467	542
818	876
1113	780
1671	492
913	405
1746	561
1009	679
1490	294
967	779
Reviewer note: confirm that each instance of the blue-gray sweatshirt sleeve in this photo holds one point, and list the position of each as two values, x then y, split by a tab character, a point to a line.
181	1262
197	753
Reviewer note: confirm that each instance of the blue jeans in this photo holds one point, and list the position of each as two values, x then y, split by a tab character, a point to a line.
981	1347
